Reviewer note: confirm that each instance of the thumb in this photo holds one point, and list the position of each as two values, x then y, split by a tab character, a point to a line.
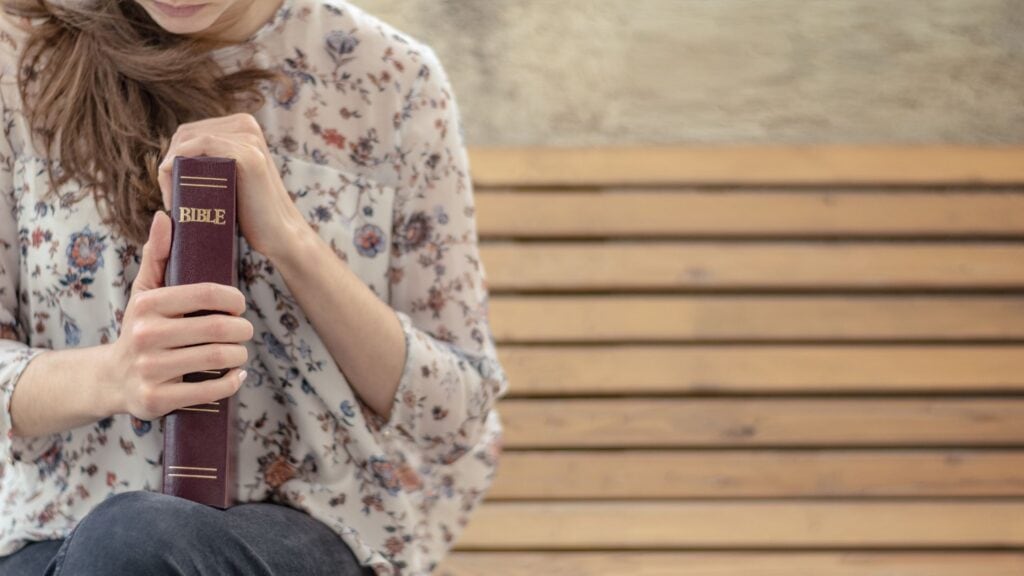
154	254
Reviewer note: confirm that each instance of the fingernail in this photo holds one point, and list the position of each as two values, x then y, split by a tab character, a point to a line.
242	375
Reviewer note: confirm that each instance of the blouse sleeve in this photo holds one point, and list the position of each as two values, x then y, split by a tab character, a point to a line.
452	376
15	353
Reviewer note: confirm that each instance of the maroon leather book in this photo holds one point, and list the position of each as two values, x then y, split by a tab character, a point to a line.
199	460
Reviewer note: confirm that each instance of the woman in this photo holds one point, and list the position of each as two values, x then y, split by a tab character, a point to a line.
367	432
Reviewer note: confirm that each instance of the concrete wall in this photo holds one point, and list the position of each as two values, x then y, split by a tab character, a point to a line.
600	72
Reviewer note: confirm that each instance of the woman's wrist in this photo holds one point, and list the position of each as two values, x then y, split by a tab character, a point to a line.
107	397
63	389
295	244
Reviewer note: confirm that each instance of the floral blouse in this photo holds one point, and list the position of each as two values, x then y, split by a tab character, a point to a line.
366	136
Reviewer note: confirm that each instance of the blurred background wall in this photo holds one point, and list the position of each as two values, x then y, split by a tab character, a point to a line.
606	72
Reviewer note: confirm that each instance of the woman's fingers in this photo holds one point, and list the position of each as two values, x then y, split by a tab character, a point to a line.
209	144
227	146
192	330
172	364
233	123
155	253
240	122
176	395
243	140
167	165
239	129
173	301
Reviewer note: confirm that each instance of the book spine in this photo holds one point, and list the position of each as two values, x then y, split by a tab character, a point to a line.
199	459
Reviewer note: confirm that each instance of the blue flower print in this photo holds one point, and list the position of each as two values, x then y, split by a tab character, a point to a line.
369	240
85	250
384	470
72	334
340	44
275	347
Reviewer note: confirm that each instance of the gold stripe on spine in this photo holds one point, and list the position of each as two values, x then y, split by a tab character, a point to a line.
200	185
193	468
200	410
193	476
203	178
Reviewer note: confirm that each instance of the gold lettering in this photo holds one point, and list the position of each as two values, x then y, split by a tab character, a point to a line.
207	215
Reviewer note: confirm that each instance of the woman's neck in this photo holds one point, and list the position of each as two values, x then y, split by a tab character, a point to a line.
242	20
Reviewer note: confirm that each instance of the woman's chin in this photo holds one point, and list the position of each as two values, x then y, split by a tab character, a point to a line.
188	21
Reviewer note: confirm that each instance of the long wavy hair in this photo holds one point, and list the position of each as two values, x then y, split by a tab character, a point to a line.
105	87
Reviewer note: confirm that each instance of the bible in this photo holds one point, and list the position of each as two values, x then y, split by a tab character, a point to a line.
199	460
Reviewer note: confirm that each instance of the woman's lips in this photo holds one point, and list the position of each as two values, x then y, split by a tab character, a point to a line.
183	11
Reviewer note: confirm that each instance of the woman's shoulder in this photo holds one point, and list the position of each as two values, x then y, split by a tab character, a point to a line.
352	84
332	14
346	35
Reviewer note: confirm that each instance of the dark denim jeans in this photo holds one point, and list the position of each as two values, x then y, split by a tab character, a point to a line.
151	533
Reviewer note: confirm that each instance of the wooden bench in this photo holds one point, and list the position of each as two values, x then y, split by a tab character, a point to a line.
755	361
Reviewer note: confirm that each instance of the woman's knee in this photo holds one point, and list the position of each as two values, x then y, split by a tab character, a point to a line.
149	513
140	530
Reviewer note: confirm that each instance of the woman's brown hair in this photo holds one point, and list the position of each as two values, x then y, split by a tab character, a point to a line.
106	87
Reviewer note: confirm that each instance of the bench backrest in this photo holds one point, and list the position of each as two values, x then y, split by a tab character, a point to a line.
779	349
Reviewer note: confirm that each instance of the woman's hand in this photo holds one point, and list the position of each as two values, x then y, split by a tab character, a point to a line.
157	345
266	213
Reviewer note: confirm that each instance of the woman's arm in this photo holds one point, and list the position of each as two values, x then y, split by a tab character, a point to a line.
59	390
425	361
55	389
42	391
360	330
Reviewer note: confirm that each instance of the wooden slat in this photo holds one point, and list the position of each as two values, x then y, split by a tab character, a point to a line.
759	165
649	474
579	266
761	369
764	318
685	422
685	213
835	524
619	563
